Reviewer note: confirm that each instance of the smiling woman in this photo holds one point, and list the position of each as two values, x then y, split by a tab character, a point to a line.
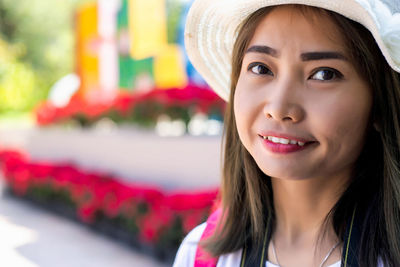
305	91
312	137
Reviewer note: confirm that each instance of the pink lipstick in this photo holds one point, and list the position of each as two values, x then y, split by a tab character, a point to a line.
283	144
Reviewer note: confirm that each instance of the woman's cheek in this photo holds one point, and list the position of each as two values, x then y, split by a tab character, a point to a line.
343	124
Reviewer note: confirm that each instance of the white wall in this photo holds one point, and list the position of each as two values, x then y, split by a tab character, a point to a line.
186	162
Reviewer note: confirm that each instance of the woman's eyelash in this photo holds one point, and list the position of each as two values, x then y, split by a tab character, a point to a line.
261	68
320	74
326	74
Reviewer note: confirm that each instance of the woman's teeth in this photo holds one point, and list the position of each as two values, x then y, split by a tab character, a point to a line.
283	141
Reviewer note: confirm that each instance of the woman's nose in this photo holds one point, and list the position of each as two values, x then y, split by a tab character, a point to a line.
283	104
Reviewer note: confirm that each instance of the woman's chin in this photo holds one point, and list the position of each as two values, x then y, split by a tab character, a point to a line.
286	173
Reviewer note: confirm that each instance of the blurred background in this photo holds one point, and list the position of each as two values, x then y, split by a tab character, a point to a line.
110	141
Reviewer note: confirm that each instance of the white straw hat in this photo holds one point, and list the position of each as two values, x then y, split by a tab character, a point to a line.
211	31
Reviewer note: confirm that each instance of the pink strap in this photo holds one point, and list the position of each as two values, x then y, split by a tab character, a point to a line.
203	258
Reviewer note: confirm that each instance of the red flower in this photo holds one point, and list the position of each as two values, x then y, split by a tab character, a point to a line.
21	181
152	211
191	219
150	228
192	97
181	201
87	212
45	113
124	103
40	173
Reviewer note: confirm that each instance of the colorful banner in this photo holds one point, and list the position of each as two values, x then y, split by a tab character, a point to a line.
135	74
193	76
133	45
169	69
108	52
147	27
88	44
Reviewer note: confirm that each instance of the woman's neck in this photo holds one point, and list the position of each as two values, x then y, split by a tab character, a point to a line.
301	208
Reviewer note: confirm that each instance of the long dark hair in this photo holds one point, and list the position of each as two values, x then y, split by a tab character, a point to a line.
246	191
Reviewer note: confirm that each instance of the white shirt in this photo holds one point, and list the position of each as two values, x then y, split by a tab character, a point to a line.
187	252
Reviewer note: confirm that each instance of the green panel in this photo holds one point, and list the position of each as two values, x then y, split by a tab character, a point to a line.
125	73
175	10
130	69
122	18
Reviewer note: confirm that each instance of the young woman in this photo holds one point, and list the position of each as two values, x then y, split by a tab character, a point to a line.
311	173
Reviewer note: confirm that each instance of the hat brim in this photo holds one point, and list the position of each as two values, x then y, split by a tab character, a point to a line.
211	26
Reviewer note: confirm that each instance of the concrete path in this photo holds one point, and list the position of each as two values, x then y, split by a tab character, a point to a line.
32	237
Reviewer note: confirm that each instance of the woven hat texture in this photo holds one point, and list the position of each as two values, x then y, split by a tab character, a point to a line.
211	26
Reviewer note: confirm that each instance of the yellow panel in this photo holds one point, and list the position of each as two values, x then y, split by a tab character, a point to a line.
147	27
87	47
169	68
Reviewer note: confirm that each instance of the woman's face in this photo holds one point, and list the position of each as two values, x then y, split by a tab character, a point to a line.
301	108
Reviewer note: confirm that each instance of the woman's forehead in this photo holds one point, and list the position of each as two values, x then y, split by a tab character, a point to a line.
310	27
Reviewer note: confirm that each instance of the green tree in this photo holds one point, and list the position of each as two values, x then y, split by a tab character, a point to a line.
37	40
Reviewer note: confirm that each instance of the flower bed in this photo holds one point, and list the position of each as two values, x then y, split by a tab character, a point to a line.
139	108
142	216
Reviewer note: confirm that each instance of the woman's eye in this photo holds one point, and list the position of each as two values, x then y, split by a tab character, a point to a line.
326	74
260	69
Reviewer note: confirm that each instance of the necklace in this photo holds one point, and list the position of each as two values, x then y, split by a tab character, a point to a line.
322	263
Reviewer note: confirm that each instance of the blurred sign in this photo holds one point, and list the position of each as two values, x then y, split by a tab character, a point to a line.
88	44
108	53
133	45
169	70
147	27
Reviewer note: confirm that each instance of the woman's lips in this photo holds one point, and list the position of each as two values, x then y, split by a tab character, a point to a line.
283	144
284	136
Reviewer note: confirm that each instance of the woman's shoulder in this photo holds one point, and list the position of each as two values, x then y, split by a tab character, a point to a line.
187	250
186	254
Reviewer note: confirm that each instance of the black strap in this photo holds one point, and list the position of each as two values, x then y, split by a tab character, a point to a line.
351	244
250	259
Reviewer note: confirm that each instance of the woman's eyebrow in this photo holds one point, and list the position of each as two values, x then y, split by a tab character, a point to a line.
322	55
263	49
308	56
